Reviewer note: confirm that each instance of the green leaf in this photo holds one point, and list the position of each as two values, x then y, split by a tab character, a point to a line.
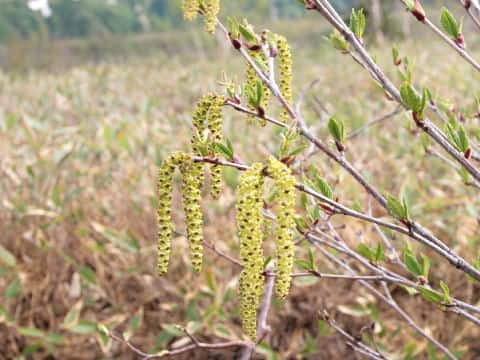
301	223
397	208
324	188
411	262
88	274
337	129
357	23
463	142
409	97
31	332
7	257
395	54
311	258
338	41
298	150
84	327
449	24
224	150
446	292
430	295
425	266
365	251
13	289
55	339
379	253
304	264
247	34
72	317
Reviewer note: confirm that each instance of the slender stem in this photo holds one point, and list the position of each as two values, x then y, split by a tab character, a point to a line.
352	341
464	54
167	353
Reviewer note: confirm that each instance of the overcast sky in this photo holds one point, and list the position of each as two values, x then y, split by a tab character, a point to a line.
40	5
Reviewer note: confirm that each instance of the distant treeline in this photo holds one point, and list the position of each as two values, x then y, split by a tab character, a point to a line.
86	18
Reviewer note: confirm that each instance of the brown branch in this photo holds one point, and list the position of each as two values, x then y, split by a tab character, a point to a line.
354	343
184	349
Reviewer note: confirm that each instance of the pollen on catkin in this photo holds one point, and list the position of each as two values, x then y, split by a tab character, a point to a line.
285	67
215	128
251	79
211	8
285	198
192	175
250	224
164	218
199	122
190	9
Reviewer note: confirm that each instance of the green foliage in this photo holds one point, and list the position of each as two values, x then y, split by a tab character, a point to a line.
357	23
338	41
373	254
337	130
398	208
457	136
449	23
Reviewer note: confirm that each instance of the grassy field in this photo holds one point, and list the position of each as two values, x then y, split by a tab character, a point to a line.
80	150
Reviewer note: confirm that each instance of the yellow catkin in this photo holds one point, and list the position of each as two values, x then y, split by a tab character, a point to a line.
251	79
191	184
250	223
164	218
199	122
212	8
190	9
285	67
285	198
215	128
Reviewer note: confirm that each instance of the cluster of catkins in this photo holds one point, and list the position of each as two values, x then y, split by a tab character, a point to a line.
250	231
209	8
207	123
208	115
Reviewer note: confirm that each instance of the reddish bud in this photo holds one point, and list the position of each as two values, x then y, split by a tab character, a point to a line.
287	160
460	41
467	4
340	146
468	153
418	11
398	62
261	112
310	4
255	47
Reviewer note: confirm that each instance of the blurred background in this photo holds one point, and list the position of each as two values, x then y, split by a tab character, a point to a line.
90	94
47	33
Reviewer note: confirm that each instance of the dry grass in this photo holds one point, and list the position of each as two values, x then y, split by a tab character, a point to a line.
80	151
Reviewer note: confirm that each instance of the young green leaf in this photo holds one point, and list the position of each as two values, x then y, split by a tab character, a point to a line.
337	129
446	292
449	24
224	150
339	42
324	188
365	251
398	208
357	23
425	266
430	295
409	97
247	34
379	253
412	263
